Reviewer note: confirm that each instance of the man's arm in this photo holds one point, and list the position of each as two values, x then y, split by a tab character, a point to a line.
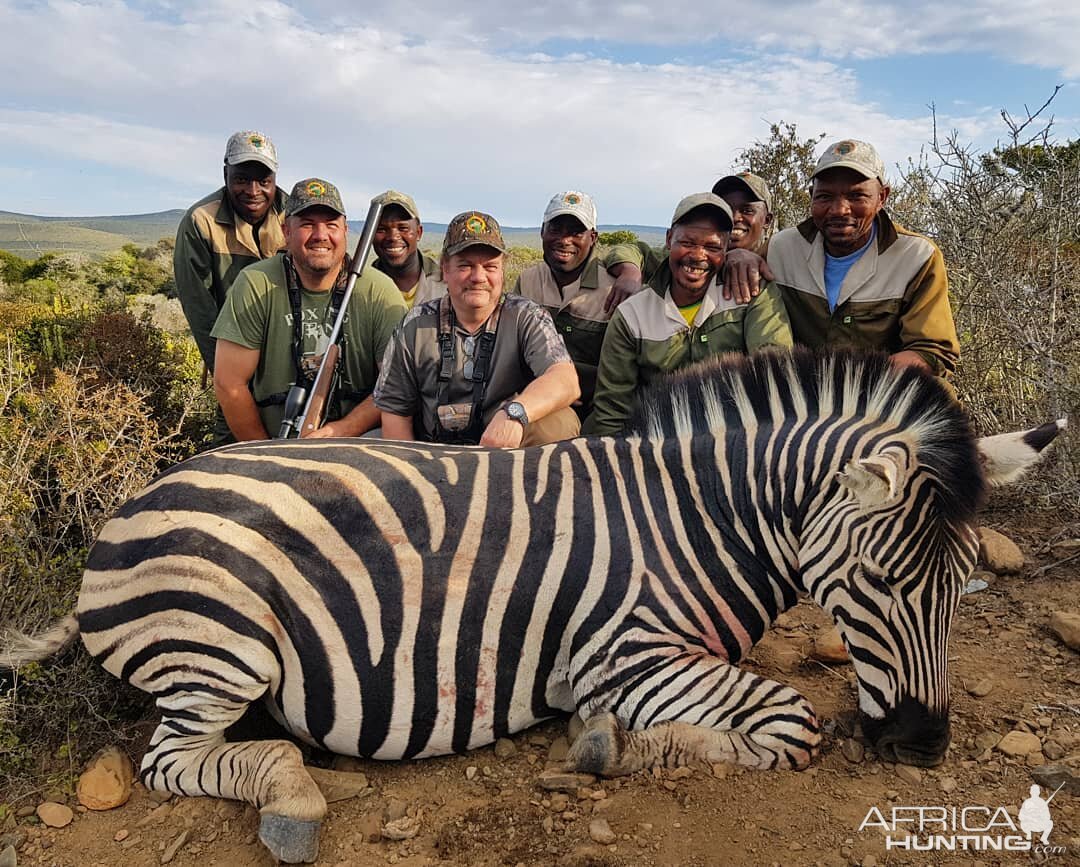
627	263
195	286
358	421
926	322
743	273
398	427
554	389
616	380
234	366
766	322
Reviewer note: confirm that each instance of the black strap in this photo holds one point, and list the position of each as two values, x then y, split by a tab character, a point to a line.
481	370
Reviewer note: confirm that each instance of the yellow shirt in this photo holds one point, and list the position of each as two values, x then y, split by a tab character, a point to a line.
690	311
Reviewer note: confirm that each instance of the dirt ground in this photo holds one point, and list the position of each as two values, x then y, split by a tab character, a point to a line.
484	809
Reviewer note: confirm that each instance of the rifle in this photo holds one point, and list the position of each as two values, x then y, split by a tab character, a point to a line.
304	413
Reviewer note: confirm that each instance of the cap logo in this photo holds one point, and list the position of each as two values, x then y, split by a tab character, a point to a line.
256	141
476	224
743	175
843	148
314	188
572	199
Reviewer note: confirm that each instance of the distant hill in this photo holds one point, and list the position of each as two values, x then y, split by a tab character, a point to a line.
29	236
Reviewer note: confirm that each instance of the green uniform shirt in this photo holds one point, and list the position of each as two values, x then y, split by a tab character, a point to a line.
648	336
257	315
895	297
429	287
213	245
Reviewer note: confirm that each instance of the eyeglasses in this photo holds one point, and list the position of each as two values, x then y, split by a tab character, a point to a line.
469	345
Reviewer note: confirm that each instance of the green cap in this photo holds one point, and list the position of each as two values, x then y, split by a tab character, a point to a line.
852	154
472	229
747	182
393	197
703	200
311	192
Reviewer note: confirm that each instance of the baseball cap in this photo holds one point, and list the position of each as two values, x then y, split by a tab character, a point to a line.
748	182
251	146
393	197
472	229
698	200
311	192
851	154
575	204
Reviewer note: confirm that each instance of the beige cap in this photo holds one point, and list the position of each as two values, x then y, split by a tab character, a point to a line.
574	203
699	200
851	154
403	201
251	146
748	182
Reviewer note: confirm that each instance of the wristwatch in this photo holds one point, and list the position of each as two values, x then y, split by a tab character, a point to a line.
516	411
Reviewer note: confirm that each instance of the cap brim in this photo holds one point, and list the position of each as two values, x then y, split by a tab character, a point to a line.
726	185
253	158
858	168
311	205
464	245
727	221
567	212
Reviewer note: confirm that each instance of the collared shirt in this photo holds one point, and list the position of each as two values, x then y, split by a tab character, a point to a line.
526	345
213	245
429	287
648	336
896	297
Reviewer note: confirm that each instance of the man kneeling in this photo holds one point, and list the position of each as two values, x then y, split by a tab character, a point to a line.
477	367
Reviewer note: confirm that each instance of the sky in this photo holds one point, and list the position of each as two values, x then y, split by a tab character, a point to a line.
117	107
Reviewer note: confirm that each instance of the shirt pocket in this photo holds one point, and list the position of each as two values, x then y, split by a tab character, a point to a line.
874	325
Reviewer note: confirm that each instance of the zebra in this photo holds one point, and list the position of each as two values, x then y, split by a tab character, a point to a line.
401	600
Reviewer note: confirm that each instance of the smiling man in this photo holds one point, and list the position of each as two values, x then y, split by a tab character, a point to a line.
750	201
682	316
850	276
275	326
477	367
396	245
576	285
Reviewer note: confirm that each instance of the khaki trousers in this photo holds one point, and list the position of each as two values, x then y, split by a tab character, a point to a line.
563	424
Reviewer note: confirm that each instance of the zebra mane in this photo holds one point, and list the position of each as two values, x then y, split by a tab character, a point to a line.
737	391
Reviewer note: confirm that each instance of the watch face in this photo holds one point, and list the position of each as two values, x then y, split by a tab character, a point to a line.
515	410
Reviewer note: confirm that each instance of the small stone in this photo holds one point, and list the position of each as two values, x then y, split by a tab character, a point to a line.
159	797
339	785
948	785
1018	743
721	770
175	846
158	814
1052	776
370	827
106	782
505	749
909	774
55	815
404	828
1065	548
349	764
1066	626
559	750
559	802
1053	750
986	740
829	647
121	835
574	726
8	857
470	772
869	861
852	750
601	832
396	809
681	773
999	553
23	812
598	794
562	781
982	688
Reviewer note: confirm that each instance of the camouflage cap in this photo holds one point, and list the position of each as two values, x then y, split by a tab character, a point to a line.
403	201
472	229
852	154
703	200
574	204
311	192
249	146
748	182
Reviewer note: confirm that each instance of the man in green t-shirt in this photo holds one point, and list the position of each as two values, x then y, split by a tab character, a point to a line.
274	328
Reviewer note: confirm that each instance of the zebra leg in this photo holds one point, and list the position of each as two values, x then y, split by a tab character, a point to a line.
695	708
188	755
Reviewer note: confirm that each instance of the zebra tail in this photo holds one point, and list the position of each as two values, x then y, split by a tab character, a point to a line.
18	648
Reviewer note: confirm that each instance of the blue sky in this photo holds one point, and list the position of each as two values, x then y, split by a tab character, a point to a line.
116	107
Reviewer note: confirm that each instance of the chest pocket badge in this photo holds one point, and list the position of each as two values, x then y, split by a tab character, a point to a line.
847	320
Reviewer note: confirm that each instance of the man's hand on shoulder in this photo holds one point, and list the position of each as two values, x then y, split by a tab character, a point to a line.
742	275
627	282
503	432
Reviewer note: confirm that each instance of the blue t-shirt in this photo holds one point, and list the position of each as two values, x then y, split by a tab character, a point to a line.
836	269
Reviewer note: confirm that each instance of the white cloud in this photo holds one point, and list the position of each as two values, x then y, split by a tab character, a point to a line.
448	119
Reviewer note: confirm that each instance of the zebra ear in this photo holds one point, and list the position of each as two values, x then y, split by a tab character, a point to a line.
1008	456
876	482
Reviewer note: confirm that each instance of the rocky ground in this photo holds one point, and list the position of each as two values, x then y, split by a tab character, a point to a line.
1016	718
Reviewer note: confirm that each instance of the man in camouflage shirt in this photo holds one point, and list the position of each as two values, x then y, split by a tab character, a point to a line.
396	242
476	366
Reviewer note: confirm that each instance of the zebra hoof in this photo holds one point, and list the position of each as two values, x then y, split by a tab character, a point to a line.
291	841
599	748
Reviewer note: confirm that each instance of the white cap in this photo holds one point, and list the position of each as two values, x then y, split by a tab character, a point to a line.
574	203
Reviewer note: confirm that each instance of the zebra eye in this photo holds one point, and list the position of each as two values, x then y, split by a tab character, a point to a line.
875	575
